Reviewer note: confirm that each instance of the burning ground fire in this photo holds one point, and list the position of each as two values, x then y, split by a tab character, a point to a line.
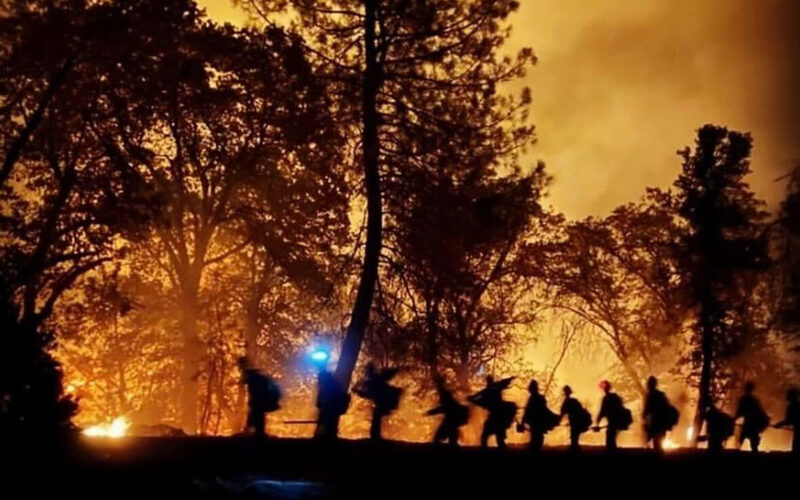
116	429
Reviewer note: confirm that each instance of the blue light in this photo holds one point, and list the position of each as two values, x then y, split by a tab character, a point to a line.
319	355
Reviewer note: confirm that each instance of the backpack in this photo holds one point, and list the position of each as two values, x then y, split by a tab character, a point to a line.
583	419
460	415
624	419
390	399
552	420
342	403
508	411
727	426
671	416
264	392
762	420
273	397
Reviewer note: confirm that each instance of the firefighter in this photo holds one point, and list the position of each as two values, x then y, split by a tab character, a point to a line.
455	414
537	418
580	420
755	419
792	418
501	412
263	396
618	418
332	403
719	427
385	397
659	415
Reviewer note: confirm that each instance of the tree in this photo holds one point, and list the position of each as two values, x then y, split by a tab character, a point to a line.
59	223
452	297
32	403
236	143
56	224
618	276
788	263
411	76
725	238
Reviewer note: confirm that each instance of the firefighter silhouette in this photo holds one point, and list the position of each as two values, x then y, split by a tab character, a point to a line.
385	398
580	420
755	419
263	396
537	417
332	403
455	415
792	418
618	418
501	412
659	415
719	428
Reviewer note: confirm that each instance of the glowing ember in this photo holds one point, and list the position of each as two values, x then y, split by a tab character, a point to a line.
669	444
116	429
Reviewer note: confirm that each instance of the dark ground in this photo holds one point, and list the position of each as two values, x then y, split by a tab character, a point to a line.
211	468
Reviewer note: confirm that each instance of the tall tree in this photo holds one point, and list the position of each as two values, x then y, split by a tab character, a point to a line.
725	237
232	135
452	298
789	257
57	221
618	275
413	76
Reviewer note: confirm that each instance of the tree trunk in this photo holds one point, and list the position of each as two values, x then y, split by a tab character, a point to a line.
252	329
192	354
369	271
707	351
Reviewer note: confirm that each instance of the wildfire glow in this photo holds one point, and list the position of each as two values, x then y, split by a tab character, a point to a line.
116	429
669	444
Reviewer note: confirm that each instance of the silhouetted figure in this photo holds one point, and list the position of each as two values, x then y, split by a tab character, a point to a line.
537	417
755	419
332	403
719	427
659	415
263	396
501	412
618	417
385	398
579	418
792	418
455	414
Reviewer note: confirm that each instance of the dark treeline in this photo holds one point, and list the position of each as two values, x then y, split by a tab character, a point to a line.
178	193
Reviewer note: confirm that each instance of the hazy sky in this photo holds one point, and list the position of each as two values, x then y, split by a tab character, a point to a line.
622	84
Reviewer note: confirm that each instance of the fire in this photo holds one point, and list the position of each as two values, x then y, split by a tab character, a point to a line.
669	444
690	433
116	429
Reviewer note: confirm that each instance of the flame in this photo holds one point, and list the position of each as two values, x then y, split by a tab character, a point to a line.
669	444
690	433
116	429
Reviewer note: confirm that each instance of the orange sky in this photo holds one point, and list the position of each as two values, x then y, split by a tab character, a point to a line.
621	85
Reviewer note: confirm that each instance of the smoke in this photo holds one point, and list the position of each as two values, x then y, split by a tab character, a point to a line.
620	86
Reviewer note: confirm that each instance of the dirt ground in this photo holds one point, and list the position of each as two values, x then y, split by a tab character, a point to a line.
246	468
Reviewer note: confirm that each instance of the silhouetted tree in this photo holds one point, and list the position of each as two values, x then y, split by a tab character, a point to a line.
619	276
236	138
452	298
725	237
32	403
67	206
418	83
789	258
